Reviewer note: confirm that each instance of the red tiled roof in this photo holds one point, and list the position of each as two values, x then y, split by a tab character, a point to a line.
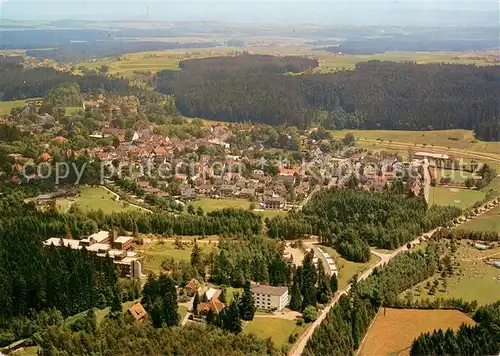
214	304
137	311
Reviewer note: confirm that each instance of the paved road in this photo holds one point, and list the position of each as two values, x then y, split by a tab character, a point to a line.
298	347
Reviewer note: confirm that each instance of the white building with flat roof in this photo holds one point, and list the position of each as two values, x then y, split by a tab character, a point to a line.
269	297
127	262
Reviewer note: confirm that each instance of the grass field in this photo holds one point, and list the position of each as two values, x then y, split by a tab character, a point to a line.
73	110
472	280
95	198
156	252
101	313
487	222
330	63
494	185
139	62
275	328
169	59
456	176
346	268
461	140
28	351
460	198
209	205
394	330
7	106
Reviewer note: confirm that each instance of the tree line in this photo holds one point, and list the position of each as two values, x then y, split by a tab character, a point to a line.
35	278
480	339
122	336
376	95
220	222
18	82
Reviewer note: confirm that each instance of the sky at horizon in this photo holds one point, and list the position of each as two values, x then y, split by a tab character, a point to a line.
390	12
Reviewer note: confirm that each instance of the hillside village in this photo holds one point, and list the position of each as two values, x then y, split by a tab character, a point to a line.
126	223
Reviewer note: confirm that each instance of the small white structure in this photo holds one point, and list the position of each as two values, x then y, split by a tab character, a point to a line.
269	297
211	292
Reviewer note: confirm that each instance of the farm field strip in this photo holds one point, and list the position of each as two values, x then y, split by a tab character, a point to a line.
489	221
399	327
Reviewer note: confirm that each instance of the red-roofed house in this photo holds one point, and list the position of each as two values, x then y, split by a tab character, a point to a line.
137	311
45	156
214	304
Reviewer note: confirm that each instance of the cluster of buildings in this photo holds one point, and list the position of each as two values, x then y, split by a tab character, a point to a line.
267	298
102	245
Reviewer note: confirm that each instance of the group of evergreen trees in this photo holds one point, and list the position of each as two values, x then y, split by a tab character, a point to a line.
350	220
240	308
17	82
220	222
35	278
376	95
159	298
481	339
311	285
236	260
122	336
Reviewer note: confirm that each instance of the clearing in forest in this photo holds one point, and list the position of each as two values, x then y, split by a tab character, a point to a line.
460	198
95	198
394	330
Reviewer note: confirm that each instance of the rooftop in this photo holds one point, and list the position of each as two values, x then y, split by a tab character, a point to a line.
123	239
269	290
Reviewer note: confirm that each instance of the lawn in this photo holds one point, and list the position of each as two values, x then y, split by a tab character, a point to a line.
73	110
494	185
460	198
348	269
209	205
156	252
456	176
394	330
94	198
486	222
101	313
271	213
275	328
473	280
7	106
182	311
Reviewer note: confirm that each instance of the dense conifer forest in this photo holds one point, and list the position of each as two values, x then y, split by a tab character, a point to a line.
350	220
376	95
17	82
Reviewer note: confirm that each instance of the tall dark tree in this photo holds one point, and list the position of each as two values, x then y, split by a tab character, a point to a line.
309	278
323	290
247	303
334	283
196	301
296	297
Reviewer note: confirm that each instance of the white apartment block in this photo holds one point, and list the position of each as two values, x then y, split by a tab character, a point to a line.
269	297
